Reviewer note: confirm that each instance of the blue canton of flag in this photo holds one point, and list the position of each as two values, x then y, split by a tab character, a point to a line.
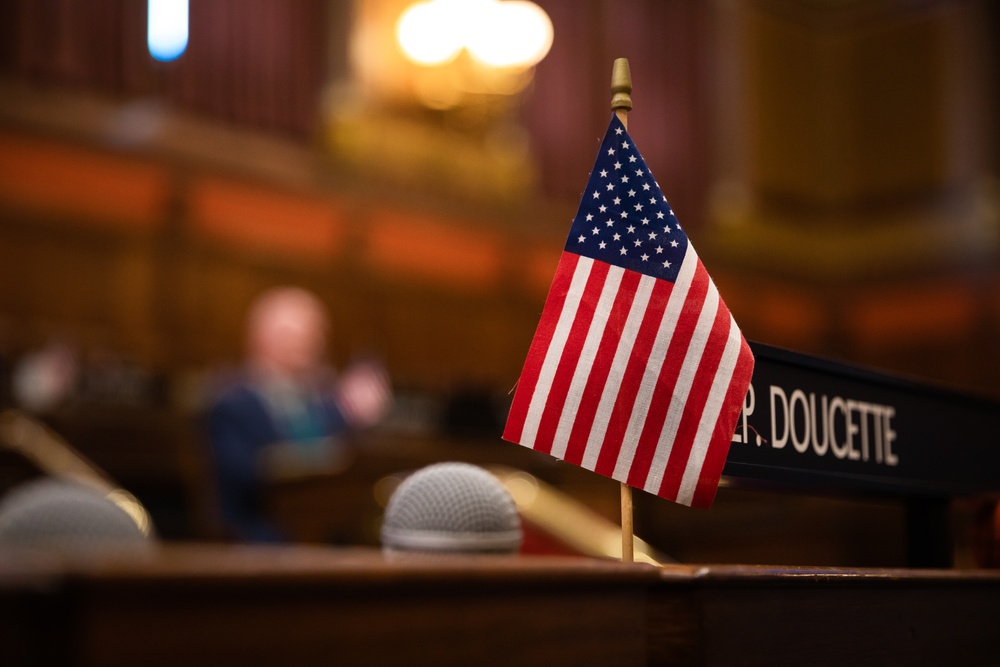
624	218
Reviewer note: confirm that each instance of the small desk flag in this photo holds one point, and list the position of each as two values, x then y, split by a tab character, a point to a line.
637	370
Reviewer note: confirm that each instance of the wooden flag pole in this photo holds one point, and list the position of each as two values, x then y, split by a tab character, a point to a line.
621	104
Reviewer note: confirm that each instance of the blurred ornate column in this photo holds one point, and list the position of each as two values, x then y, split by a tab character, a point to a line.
852	210
851	203
854	147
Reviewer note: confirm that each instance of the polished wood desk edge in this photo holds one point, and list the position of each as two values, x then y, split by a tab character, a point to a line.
239	564
764	575
286	565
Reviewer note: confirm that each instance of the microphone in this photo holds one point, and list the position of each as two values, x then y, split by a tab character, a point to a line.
73	479
62	515
451	508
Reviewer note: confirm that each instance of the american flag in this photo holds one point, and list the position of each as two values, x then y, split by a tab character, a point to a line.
637	370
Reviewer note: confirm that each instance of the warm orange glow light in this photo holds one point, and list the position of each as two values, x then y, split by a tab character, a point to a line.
514	33
497	33
429	33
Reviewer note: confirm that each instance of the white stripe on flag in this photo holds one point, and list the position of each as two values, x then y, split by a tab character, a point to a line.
623	352
554	352
664	334
586	362
706	427
689	370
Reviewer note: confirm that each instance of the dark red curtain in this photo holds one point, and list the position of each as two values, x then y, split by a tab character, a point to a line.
668	46
257	63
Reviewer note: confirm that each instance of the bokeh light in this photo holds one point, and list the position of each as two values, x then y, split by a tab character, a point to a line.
167	29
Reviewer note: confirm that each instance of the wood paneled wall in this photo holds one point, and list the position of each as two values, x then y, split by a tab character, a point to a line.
160	261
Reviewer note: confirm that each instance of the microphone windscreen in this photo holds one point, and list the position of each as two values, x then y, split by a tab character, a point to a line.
61	515
452	507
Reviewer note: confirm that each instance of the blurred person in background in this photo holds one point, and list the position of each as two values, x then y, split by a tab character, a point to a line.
286	414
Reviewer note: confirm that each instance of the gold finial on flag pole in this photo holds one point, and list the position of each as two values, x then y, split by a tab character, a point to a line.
621	90
621	104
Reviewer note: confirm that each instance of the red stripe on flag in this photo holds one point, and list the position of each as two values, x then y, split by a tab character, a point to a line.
570	357
663	394
695	405
602	366
539	346
718	449
629	386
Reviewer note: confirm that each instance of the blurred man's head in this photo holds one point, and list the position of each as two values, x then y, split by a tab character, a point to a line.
286	331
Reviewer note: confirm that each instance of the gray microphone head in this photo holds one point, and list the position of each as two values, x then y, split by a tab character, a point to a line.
452	507
61	515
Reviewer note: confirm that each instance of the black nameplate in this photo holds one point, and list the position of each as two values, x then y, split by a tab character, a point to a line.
814	424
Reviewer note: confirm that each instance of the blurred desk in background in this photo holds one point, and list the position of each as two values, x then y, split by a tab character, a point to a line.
310	605
159	456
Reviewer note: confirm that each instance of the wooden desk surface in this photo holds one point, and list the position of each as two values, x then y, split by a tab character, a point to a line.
308	606
313	605
755	615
